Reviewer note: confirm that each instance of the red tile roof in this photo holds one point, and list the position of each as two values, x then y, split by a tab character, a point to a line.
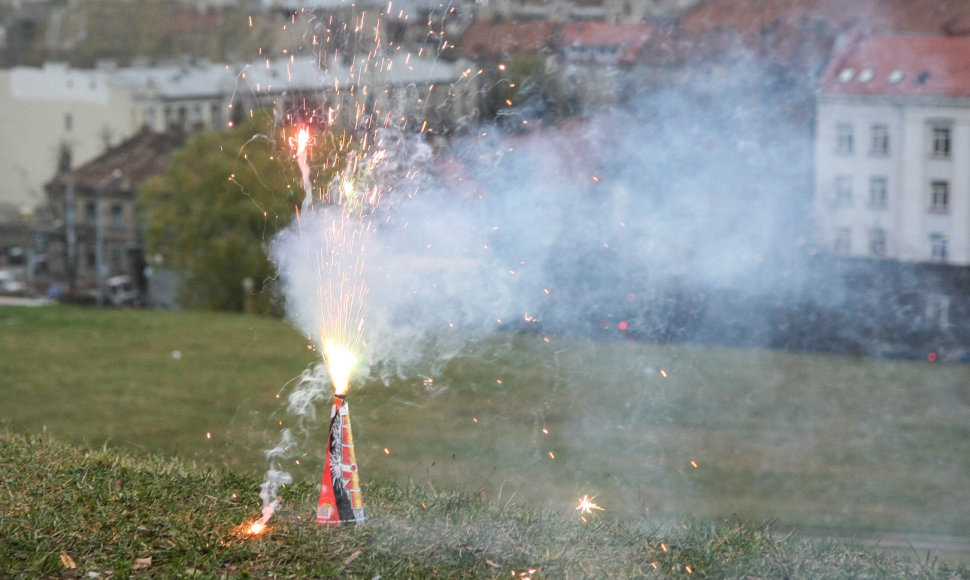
784	30
901	65
628	38
499	39
932	16
142	156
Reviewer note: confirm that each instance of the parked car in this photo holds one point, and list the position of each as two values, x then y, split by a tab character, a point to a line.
10	285
119	291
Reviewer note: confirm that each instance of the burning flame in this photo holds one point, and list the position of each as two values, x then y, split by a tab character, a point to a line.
257	528
340	363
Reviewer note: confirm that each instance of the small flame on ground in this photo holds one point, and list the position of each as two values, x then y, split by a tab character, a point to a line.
257	528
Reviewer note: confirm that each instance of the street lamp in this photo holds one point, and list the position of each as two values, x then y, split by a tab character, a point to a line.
99	232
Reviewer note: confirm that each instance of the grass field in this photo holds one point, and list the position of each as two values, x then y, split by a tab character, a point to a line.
72	512
657	433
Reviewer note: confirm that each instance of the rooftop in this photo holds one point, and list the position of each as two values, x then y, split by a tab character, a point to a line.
937	66
628	39
501	39
126	165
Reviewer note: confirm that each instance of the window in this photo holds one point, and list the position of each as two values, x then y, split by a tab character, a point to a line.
940	146
117	216
843	190
843	241
116	260
843	139
216	115
938	246
937	311
879	144
940	196
878	194
150	116
91	214
877	242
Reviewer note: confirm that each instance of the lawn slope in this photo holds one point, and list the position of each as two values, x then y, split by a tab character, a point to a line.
73	512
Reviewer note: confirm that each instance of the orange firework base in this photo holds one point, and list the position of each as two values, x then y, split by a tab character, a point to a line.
340	499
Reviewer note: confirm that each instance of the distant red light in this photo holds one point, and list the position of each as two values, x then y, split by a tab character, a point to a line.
931	357
623	325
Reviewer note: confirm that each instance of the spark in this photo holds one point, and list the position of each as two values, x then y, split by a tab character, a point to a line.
586	506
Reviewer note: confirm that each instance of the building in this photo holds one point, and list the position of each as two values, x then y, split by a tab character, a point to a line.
892	139
93	218
43	110
565	10
420	93
595	57
185	97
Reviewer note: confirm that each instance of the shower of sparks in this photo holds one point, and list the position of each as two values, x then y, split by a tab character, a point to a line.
352	54
586	506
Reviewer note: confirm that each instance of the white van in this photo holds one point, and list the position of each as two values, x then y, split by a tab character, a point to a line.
120	291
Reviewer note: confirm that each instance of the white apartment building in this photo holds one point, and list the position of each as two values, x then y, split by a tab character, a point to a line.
424	94
892	150
182	96
45	109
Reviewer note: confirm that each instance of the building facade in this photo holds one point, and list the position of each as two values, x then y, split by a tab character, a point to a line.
42	111
892	179
94	233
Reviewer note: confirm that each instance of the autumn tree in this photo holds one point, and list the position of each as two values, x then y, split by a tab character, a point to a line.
211	214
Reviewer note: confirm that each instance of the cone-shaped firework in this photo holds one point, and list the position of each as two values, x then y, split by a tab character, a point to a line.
340	499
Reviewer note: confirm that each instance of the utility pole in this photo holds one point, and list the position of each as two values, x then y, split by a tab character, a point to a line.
70	217
99	232
70	235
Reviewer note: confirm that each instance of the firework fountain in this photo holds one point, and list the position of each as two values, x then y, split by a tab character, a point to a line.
325	282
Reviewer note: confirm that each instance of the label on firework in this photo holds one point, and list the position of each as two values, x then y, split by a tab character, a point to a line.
341	501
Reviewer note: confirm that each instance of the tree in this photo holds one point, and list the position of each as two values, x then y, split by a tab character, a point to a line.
525	89
221	199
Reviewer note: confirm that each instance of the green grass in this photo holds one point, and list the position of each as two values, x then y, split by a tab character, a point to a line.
73	512
835	445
